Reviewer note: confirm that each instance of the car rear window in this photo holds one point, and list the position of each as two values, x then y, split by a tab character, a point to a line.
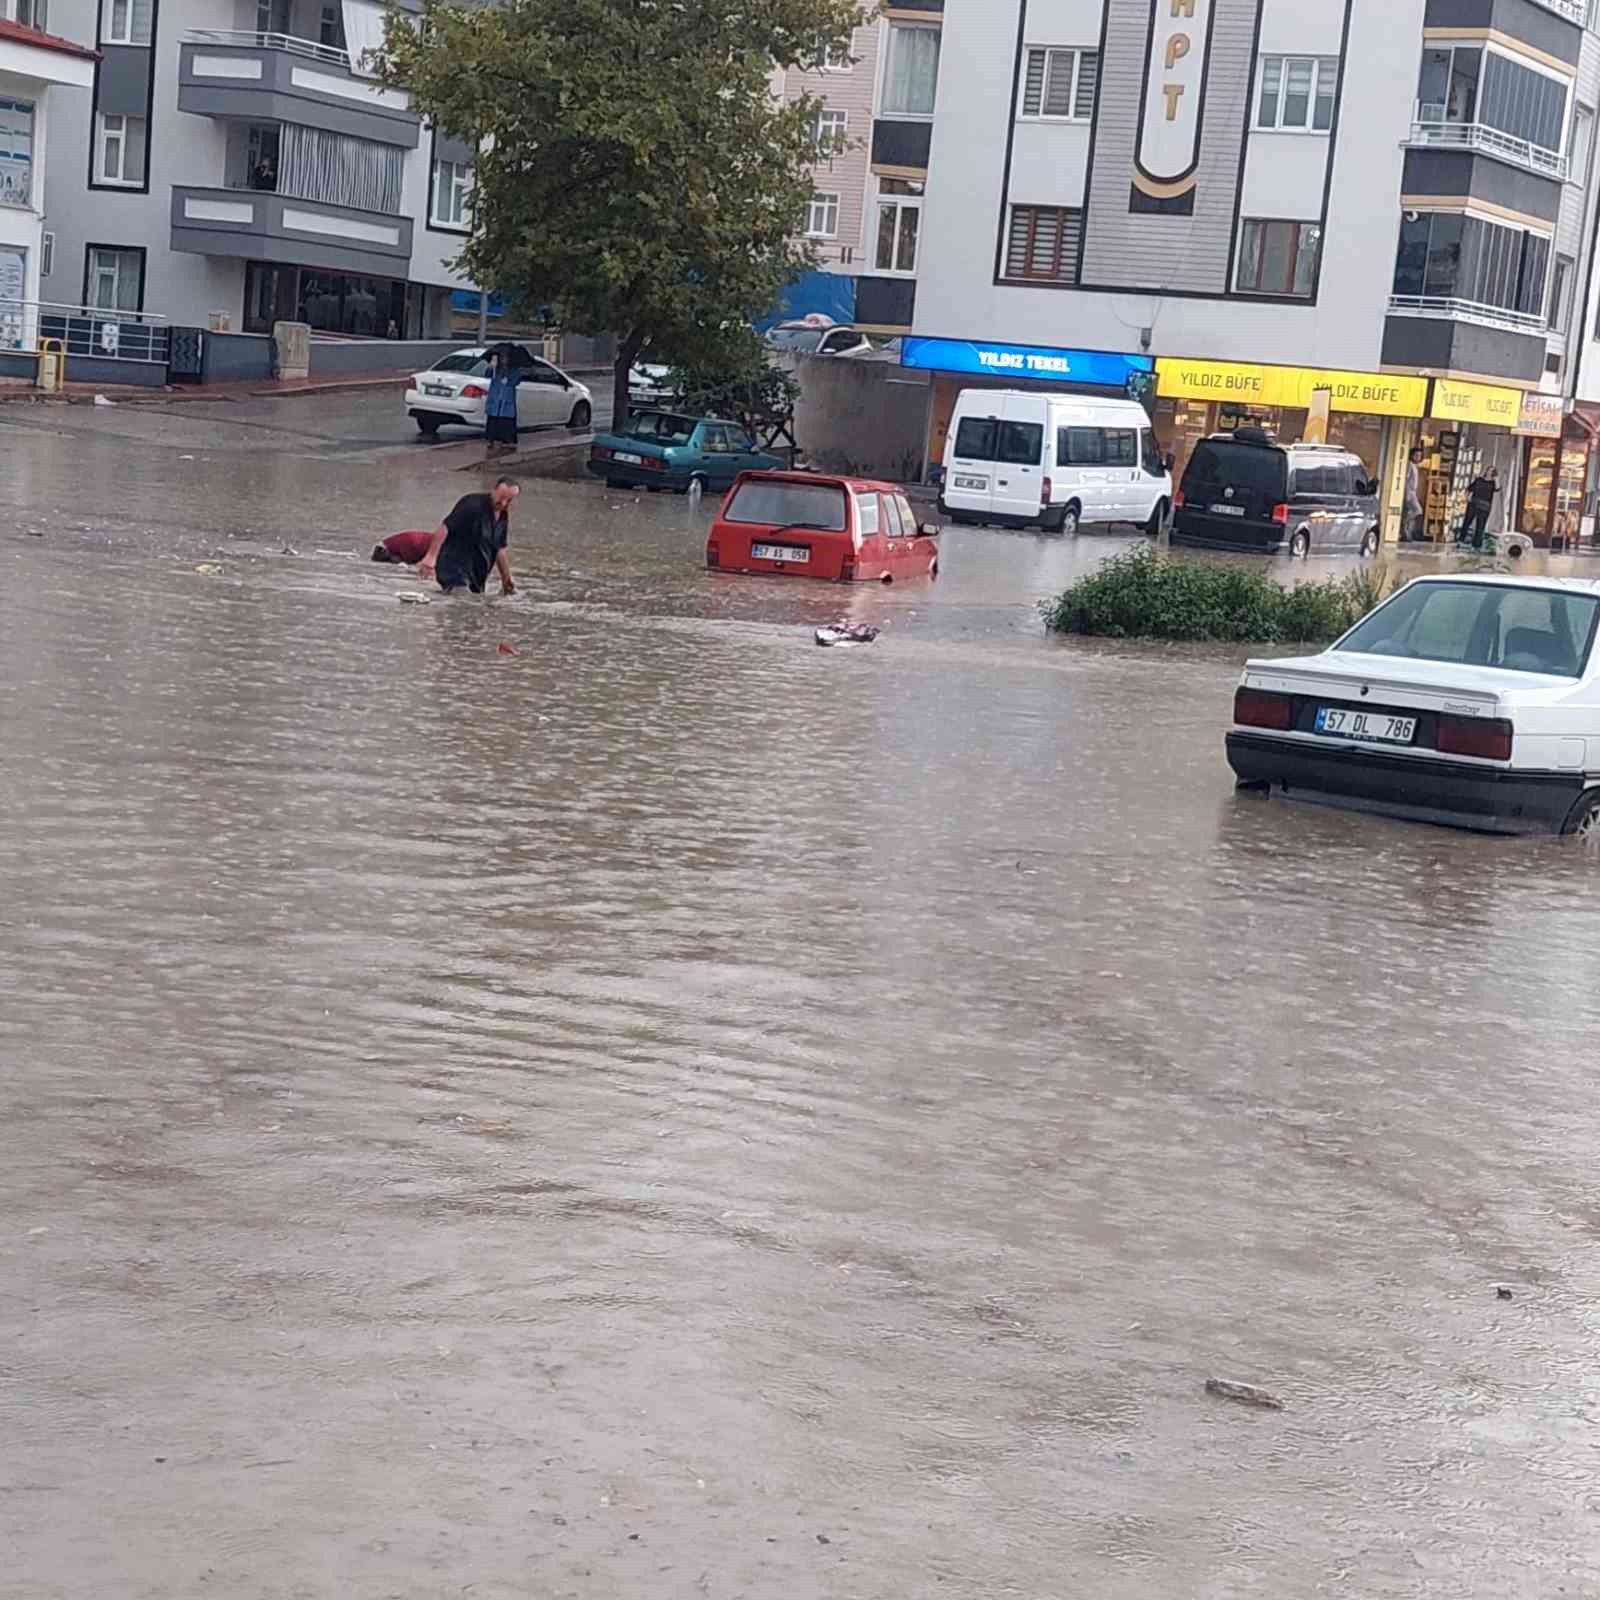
789	505
975	438
661	427
1020	444
1256	467
461	362
1483	625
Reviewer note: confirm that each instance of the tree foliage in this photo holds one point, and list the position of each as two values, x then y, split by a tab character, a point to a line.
734	378
634	170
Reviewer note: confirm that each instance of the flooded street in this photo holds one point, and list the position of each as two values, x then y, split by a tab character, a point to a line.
675	1112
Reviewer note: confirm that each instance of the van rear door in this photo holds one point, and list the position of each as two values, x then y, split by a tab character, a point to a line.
1230	489
1019	459
969	482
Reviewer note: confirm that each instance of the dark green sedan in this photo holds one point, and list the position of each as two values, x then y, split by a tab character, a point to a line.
664	450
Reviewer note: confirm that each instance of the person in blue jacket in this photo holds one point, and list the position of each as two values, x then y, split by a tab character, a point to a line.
501	408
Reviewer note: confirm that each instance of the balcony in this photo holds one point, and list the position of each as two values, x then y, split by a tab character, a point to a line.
1572	10
257	225
1480	138
901	145
1470	311
275	77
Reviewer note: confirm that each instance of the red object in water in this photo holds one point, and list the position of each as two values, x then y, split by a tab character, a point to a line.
506	649
407	549
809	525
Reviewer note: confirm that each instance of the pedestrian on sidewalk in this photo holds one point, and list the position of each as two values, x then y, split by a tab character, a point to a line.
501	407
1413	525
471	542
1480	497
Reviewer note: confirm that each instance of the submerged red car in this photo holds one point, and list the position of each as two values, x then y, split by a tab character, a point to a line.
808	525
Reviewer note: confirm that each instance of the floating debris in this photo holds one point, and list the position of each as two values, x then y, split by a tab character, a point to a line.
1245	1393
846	633
414	597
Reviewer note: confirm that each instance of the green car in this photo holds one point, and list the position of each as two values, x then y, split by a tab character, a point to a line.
663	450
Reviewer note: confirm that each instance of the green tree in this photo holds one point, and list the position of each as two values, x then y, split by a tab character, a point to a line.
732	377
634	172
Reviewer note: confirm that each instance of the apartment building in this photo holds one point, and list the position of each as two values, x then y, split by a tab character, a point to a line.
1240	203
232	164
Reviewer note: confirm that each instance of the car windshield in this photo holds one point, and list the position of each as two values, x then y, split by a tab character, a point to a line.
660	427
794	338
809	505
1482	625
1238	466
462	361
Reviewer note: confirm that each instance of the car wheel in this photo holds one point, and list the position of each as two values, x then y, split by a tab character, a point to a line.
429	425
1067	522
701	479
1369	545
618	483
1583	821
1158	518
1300	545
582	416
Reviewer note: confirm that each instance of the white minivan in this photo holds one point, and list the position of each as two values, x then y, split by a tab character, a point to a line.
1017	458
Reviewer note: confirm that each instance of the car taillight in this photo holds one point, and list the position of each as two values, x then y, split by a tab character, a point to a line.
1257	708
713	553
600	453
474	391
1488	738
1280	513
653	464
1046	492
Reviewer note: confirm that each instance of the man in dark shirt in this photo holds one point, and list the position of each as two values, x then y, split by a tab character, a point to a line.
471	541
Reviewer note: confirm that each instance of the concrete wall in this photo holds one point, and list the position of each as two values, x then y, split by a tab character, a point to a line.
235	357
373	357
865	417
90	369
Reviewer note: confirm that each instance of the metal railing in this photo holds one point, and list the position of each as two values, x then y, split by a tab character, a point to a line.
1448	310
1492	142
1572	10
107	335
287	42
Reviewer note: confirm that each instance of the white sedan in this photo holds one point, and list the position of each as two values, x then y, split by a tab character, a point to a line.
454	390
1469	700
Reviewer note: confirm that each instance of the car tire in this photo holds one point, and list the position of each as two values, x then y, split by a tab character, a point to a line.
1583	821
1300	545
618	483
1158	518
1369	545
701	479
582	416
429	425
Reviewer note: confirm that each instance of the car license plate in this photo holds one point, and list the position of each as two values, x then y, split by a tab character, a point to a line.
632	461
1372	727
779	552
1227	511
972	483
435	388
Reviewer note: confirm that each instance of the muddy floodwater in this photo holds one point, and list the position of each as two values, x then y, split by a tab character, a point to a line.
662	1110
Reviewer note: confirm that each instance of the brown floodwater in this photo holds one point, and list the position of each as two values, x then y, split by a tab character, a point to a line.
672	1111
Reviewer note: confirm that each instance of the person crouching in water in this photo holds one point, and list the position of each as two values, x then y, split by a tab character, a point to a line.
500	410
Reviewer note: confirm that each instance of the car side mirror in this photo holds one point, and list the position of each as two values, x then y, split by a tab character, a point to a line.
930	530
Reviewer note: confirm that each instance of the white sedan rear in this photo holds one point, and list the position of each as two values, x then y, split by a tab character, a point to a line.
1470	700
454	391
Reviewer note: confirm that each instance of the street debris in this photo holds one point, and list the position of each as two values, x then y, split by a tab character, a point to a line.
412	597
1502	1292
505	649
1245	1393
100	400
210	568
846	634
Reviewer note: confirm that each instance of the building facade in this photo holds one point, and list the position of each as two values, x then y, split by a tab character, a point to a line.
38	70
1273	197
232	164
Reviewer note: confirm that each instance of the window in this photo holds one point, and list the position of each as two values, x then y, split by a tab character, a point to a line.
16	152
899	224
272	16
330	31
829	132
1043	244
47	254
1097	447
867	514
1150	454
339	169
911	76
1561	293
119	158
810	505
115	278
1579	143
1465	84
1019	444
1060	84
1446	255
975	438
835	60
33	14
126	21
891	517
452	183
1278	257
822	216
1297	93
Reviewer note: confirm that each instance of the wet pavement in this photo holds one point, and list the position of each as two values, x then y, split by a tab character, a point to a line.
671	1111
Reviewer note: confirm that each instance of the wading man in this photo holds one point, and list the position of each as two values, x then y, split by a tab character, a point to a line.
471	542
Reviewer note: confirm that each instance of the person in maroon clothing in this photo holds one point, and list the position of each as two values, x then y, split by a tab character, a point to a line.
402	549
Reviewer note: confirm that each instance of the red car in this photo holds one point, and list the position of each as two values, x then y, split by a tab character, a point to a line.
808	525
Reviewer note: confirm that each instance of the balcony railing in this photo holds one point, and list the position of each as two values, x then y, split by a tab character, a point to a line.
1448	310
105	334
1572	10
1492	142
334	55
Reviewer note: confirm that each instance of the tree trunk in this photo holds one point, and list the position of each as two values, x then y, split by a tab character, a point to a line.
627	354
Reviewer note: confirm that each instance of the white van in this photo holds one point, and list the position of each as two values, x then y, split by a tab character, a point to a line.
1018	458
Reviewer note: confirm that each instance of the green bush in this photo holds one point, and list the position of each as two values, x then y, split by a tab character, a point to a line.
1143	595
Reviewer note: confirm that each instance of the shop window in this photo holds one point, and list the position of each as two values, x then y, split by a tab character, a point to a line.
1059	85
1297	93
1278	257
1043	243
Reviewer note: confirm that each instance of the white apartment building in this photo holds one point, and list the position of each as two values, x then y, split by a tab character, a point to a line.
1237	203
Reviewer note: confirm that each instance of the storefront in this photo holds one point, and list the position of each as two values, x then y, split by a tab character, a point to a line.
958	364
1555	472
1469	430
1372	414
333	302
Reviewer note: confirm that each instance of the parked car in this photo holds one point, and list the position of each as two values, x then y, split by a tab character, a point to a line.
648	384
810	338
805	525
1242	491
662	450
1469	700
452	393
1021	458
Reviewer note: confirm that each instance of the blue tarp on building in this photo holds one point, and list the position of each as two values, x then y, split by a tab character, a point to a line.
831	293
466	302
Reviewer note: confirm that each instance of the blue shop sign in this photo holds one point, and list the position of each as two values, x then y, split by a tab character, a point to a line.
1034	363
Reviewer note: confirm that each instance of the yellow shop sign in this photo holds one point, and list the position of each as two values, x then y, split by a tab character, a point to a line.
1475	402
1376	393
